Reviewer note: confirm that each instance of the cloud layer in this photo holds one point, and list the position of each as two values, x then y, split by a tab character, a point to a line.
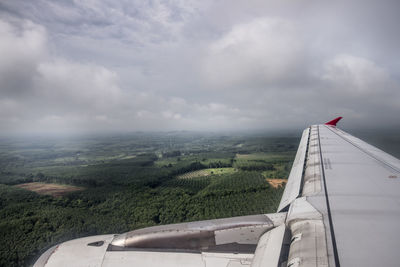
84	66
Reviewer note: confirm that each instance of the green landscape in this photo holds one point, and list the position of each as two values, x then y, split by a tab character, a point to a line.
56	189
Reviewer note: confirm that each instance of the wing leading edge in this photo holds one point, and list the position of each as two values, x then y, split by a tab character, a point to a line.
340	207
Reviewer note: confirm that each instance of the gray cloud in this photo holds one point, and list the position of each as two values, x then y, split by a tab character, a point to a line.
73	66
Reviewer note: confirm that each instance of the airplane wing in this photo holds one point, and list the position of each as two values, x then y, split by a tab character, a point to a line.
340	207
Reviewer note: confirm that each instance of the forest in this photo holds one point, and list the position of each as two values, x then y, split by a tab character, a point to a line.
132	181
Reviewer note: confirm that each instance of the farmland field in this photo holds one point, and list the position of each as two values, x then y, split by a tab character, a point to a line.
53	190
207	172
277	182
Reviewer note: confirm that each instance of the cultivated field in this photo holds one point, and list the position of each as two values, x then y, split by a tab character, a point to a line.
55	190
207	172
277	182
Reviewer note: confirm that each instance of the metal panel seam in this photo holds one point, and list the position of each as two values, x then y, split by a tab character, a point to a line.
335	252
304	163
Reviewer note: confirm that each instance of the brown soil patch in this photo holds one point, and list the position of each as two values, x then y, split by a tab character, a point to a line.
276	182
55	190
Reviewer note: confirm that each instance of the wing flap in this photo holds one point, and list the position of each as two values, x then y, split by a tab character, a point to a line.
269	247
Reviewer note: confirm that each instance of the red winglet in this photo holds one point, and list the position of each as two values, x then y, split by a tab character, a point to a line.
334	121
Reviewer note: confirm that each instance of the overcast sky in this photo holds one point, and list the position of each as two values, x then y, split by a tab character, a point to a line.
71	66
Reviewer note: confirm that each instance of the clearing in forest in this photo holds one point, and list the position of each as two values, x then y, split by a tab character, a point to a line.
275	183
55	190
206	172
264	156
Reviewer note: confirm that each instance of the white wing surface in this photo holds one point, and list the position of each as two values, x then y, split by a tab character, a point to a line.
360	200
340	207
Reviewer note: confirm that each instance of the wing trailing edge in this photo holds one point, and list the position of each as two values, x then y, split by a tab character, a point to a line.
293	186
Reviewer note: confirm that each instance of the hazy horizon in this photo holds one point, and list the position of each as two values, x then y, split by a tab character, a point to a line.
386	140
81	67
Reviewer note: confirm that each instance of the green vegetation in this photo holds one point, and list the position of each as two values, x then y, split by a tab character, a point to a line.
132	181
272	165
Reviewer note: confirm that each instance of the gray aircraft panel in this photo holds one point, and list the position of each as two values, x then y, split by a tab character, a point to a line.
364	198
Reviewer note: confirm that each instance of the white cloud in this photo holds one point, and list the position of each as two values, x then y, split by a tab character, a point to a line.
355	74
86	85
262	51
166	65
20	50
53	91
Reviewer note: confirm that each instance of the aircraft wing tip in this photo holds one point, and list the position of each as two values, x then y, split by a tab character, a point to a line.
334	121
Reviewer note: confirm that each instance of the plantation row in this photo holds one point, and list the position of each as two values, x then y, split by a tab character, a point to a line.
229	195
192	185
